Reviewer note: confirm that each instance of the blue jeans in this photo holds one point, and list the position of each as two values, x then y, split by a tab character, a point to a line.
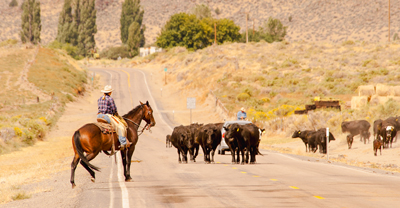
122	140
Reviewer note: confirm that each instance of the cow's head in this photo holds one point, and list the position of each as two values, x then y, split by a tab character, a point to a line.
344	126
233	130
210	133
389	130
296	134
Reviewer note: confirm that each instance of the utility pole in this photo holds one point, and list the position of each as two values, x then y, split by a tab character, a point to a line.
247	32
389	21
253	30
215	33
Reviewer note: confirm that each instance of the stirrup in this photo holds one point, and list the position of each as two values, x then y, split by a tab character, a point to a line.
102	120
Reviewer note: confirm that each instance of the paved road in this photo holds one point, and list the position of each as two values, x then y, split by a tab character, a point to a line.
277	180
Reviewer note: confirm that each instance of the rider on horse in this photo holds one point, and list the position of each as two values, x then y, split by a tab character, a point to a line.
108	112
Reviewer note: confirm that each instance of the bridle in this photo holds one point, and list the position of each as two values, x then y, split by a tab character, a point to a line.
147	124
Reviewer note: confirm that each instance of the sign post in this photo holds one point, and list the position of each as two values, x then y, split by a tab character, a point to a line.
191	104
327	143
165	70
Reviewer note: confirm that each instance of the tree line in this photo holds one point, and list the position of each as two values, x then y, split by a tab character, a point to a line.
198	30
194	30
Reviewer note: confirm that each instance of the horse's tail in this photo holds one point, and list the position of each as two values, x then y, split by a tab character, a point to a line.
79	149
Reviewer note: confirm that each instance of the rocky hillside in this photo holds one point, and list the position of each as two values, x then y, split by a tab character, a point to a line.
311	20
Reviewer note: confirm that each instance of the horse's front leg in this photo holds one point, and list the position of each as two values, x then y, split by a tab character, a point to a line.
123	158
127	171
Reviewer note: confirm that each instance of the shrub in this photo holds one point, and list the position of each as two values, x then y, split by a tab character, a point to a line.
115	52
348	42
242	96
8	42
13	3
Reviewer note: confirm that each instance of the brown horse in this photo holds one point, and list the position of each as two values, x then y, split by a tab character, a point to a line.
89	139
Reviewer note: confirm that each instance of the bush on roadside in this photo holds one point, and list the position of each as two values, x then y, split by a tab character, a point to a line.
115	52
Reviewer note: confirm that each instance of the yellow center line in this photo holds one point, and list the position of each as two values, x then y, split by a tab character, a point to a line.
129	84
256	176
319	197
243	172
218	162
293	187
273	179
225	165
234	168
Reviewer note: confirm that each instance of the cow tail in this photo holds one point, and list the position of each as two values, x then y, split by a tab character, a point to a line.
79	149
259	153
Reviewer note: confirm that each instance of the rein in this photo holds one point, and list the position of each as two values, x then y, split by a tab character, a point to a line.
141	132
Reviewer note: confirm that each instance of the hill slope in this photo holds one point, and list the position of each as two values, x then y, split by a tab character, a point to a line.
312	20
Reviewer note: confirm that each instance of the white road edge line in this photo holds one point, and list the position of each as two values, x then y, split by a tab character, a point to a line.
110	185
121	182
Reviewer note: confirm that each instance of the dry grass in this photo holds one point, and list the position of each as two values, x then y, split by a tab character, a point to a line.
49	76
17	168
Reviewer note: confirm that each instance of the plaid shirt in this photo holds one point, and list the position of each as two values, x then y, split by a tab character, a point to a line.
106	106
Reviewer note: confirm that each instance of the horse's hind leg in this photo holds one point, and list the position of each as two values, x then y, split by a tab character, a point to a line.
73	168
90	157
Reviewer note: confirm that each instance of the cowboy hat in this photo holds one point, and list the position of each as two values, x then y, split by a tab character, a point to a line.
242	109
107	89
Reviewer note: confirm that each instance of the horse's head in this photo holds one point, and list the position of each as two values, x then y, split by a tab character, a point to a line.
148	114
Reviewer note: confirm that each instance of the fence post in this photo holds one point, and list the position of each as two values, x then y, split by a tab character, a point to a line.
327	143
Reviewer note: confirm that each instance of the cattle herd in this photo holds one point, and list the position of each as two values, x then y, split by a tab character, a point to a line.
242	140
384	133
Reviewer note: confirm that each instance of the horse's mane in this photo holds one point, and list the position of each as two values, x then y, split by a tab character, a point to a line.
133	111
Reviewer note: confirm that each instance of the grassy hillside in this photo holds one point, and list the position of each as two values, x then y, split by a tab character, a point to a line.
308	20
36	83
273	80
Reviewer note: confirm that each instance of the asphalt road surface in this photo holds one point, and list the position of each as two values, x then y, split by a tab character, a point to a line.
277	180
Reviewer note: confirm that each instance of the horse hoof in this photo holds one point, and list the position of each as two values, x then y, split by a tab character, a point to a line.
73	185
128	180
93	180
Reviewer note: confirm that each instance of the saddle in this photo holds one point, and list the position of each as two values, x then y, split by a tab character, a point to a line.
104	126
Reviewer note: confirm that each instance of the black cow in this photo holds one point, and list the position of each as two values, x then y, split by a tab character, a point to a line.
310	138
390	122
377	126
247	137
358	127
322	143
209	137
179	139
193	144
168	141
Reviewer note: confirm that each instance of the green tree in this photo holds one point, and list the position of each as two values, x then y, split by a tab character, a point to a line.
182	30
13	3
227	31
30	22
66	32
273	30
134	39
87	27
131	12
187	30
201	11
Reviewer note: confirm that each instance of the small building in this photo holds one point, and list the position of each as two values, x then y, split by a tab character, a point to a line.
149	50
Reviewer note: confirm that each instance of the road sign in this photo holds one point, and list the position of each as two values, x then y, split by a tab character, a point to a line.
191	103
